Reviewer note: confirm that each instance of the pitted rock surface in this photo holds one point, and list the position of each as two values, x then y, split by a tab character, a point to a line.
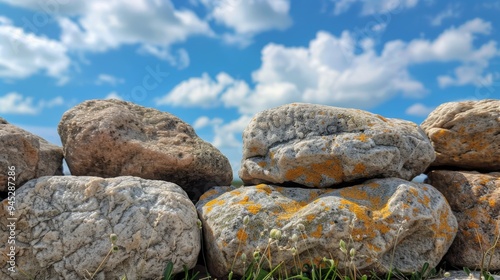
320	146
466	134
30	155
110	138
383	216
64	223
475	200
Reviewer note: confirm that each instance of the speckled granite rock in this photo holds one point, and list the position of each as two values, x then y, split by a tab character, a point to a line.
384	217
64	223
109	138
320	146
466	134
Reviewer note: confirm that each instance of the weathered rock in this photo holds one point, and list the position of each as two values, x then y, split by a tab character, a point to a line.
109	138
385	220
64	224
30	155
475	201
320	146
466	134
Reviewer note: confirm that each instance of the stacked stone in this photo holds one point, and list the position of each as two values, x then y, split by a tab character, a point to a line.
466	138
316	176
136	172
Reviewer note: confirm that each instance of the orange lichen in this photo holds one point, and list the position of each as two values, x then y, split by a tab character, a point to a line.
263	188
310	217
313	174
382	118
362	137
359	168
262	164
210	205
208	194
254	209
318	232
242	235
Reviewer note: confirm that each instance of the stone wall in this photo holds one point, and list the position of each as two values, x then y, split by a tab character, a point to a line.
145	190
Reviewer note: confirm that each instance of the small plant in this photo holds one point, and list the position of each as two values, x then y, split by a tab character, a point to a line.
114	248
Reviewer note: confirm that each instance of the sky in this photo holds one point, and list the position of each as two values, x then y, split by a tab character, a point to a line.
216	63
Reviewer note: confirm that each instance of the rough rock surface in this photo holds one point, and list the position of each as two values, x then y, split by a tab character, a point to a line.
31	155
319	146
64	223
109	138
475	201
383	216
466	134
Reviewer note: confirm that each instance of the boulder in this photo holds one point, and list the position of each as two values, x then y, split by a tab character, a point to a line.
64	224
321	146
110	138
466	134
30	155
389	222
475	201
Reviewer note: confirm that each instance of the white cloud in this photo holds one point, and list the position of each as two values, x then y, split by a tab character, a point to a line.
113	95
202	92
24	54
452	11
331	71
251	16
99	26
17	104
180	59
419	110
370	7
205	121
108	79
107	25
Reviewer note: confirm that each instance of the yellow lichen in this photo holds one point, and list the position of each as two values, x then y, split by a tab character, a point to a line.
313	174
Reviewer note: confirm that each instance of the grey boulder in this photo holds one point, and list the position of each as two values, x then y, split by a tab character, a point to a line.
64	224
466	134
389	223
320	146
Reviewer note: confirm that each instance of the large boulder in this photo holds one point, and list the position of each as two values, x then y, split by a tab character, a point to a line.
31	156
320	146
64	224
389	222
475	201
109	138
466	134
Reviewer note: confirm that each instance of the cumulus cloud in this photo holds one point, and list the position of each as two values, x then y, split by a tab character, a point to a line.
332	71
17	104
202	91
99	26
370	7
205	121
419	110
24	54
249	17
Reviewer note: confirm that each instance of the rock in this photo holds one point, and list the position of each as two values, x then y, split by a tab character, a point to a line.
320	146
64	224
31	156
385	220
109	138
466	134
475	201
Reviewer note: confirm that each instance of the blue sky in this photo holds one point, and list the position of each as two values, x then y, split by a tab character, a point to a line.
215	63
